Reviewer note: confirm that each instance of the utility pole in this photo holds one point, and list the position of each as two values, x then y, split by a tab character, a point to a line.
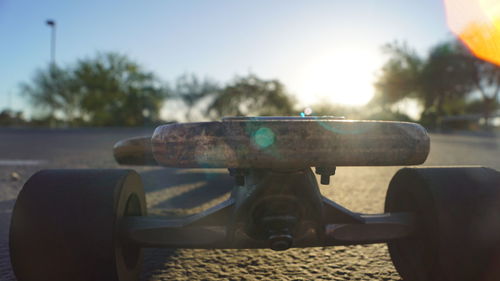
52	24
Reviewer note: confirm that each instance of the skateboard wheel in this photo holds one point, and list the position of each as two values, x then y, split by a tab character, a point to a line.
64	226
458	223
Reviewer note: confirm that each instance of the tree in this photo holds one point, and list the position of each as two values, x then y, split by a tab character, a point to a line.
54	92
190	89
399	77
108	89
486	80
251	95
117	91
438	81
445	77
11	118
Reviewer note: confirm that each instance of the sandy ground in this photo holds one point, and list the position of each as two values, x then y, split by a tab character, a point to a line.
170	191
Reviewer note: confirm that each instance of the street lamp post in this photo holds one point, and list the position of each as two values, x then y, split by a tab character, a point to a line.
52	24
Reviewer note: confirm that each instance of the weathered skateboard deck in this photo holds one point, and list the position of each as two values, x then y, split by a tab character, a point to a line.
286	142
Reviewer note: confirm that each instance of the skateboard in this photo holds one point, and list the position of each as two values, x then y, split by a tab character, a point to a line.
440	223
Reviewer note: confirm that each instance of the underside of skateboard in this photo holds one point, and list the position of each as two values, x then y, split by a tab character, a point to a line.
440	223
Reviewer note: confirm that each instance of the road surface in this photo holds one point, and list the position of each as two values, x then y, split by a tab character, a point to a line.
174	192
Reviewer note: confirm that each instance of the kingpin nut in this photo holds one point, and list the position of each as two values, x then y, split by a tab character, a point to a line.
325	173
280	242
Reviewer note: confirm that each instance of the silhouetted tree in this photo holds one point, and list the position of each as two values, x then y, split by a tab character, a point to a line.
53	91
11	118
437	81
399	77
108	89
190	89
251	95
117	91
486	80
446	77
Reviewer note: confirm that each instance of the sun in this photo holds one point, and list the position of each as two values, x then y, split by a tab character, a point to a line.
342	77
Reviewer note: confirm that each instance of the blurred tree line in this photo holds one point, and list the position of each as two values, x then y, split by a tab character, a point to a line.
106	90
449	81
12	118
110	89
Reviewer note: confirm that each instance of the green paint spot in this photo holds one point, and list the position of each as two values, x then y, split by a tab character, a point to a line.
264	137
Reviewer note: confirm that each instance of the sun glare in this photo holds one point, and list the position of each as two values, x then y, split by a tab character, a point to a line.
477	24
343	77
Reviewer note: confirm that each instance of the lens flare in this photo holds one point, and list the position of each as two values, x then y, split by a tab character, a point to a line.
477	25
264	137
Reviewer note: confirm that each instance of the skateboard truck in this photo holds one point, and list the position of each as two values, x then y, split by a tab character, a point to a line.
276	210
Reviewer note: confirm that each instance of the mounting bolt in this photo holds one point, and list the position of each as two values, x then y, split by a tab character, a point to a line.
238	174
325	173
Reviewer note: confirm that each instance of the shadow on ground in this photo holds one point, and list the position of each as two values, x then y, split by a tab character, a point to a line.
179	192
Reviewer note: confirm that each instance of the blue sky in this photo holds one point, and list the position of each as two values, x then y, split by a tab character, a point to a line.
299	42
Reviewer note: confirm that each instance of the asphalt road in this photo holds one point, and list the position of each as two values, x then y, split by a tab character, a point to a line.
173	191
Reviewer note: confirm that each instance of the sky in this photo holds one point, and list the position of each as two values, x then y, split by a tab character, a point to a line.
321	50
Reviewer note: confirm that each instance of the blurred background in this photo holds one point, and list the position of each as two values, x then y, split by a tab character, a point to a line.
93	64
